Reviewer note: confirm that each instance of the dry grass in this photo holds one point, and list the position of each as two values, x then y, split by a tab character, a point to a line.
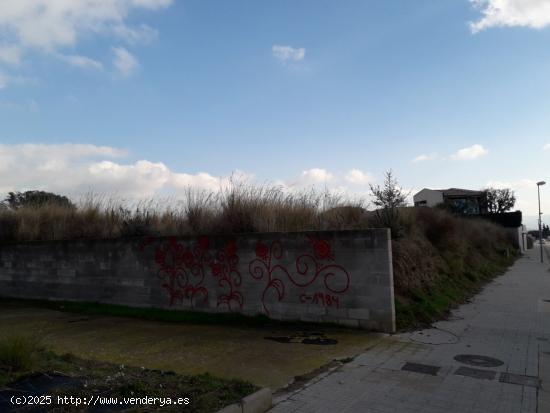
442	260
438	243
239	208
18	353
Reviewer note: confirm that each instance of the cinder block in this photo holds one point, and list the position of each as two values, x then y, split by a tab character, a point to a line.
311	318
359	313
66	272
337	312
349	323
315	310
369	325
5	277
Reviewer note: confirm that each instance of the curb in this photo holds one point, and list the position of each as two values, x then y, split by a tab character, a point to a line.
259	402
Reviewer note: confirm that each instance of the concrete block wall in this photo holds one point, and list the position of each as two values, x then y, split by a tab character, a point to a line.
517	237
341	277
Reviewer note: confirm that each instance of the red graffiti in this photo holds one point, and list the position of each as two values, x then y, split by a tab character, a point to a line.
225	268
182	270
321	248
308	268
326	300
262	250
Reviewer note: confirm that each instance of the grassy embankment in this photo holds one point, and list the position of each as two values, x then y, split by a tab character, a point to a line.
439	259
442	260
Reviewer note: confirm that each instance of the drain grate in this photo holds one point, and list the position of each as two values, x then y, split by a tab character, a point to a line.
475	373
519	379
421	368
478	361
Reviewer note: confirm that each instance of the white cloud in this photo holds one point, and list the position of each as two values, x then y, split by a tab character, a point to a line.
469	153
124	61
515	185
286	53
315	176
141	34
508	13
27	153
546	147
358	177
76	169
10	55
52	25
82	62
424	157
6	80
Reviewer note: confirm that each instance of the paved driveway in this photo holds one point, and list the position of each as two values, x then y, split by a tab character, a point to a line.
492	355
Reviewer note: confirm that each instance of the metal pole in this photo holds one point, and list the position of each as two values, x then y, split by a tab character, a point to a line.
540	226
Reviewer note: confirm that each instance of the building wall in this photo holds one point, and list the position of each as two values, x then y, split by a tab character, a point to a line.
431	197
343	277
517	237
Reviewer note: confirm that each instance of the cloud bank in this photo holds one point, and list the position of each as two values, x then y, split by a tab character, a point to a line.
465	154
76	169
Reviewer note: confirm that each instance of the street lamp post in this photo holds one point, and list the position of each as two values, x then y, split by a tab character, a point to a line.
539	184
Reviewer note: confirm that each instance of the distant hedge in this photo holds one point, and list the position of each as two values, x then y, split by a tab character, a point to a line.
506	219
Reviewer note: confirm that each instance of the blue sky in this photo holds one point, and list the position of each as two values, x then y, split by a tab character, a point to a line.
144	97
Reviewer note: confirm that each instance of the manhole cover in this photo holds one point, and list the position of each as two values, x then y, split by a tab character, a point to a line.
421	368
520	380
479	361
475	373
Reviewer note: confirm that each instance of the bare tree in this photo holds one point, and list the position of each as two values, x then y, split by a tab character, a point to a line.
499	200
389	198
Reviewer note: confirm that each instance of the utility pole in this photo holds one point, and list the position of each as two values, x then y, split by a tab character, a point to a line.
539	184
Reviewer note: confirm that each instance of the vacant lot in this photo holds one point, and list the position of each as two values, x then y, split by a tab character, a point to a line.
224	351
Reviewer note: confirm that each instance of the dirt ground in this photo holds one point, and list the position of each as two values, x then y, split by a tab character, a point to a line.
224	351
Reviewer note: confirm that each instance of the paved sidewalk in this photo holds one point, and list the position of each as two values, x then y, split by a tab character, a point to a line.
508	324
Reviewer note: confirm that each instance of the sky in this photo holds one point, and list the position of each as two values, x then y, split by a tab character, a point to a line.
143	98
